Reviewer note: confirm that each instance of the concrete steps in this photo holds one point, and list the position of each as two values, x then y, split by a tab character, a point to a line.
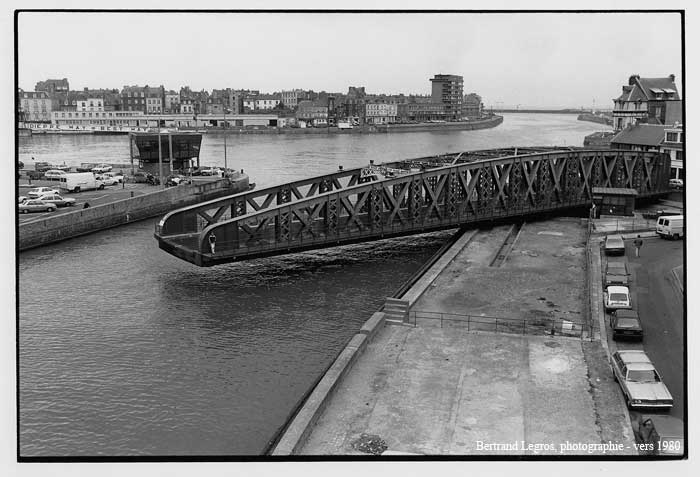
395	310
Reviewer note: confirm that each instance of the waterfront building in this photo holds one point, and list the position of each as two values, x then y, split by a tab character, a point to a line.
267	101
312	112
90	104
647	100
69	101
133	98
421	112
449	90
381	113
111	121
172	101
291	98
35	106
87	119
654	137
52	86
186	106
473	107
354	104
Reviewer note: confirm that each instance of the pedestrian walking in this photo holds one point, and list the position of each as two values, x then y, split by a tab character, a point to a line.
212	243
638	242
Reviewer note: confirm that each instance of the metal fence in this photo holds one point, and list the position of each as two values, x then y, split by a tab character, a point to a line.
609	226
499	324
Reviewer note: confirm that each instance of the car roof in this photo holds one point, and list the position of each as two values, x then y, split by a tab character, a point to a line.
613	237
627	314
634	356
627	321
618	289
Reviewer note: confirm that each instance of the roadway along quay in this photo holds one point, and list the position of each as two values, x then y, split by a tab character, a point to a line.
656	288
495	357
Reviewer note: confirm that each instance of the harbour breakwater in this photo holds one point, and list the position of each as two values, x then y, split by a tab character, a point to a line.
83	221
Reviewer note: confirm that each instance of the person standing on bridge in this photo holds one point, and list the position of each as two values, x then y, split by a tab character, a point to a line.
212	243
638	242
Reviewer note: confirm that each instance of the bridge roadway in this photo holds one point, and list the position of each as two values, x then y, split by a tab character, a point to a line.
404	198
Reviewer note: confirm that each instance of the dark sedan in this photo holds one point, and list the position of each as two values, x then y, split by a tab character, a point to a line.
626	324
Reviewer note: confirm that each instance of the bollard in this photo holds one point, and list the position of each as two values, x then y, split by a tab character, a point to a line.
132	193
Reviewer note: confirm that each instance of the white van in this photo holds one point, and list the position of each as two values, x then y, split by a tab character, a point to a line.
79	181
670	226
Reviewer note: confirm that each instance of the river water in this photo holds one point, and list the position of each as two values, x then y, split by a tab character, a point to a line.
125	350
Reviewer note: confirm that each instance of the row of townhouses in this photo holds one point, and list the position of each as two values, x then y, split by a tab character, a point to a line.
53	98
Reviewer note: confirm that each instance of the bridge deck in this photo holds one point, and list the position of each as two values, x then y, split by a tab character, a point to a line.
403	198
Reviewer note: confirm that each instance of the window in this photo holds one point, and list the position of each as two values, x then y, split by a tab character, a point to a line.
672	137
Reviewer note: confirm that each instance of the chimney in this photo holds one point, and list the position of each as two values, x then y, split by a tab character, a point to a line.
672	78
632	78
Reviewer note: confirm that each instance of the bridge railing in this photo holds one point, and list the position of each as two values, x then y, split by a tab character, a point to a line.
501	324
195	218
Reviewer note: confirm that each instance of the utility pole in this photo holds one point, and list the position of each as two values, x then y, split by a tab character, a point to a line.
225	162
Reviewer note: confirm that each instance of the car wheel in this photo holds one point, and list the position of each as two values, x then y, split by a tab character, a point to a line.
49	209
25	211
102	186
76	190
675	237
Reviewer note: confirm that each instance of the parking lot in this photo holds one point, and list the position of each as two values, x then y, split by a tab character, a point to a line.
658	298
93	197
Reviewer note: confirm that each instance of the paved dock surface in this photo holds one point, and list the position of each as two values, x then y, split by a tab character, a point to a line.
435	390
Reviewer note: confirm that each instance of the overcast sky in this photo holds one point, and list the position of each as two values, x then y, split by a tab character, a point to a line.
536	60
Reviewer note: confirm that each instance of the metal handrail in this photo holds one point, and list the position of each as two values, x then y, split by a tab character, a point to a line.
507	324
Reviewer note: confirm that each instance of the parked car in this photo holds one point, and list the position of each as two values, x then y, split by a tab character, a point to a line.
101	168
140	177
626	324
176	179
62	167
35	205
118	176
675	183
615	279
42	166
34	175
617	268
36	192
640	381
54	174
659	435
85	167
614	245
617	298
107	180
57	199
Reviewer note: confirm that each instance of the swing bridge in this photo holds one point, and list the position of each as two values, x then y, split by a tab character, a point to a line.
402	198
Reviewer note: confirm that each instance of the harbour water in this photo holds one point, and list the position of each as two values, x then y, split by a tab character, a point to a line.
125	350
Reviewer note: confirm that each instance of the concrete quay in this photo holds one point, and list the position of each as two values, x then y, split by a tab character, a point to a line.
54	227
433	387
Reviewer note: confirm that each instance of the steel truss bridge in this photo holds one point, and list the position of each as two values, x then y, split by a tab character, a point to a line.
404	198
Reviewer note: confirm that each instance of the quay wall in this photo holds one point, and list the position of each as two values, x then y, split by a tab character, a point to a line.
84	221
368	129
295	435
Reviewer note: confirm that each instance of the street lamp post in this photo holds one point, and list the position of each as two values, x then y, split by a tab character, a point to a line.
225	159
160	157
